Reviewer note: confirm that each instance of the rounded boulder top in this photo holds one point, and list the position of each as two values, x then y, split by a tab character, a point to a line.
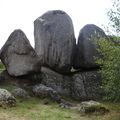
55	40
87	46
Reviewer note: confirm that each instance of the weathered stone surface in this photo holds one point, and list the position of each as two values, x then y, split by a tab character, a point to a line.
90	107
55	40
86	86
20	93
58	82
80	85
18	56
6	98
43	91
86	49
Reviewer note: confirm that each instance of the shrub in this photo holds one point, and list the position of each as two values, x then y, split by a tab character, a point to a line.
110	68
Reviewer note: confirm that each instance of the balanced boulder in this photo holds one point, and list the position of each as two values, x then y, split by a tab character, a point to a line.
55	40
87	46
18	56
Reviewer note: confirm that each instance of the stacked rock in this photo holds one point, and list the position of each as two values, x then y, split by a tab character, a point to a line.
56	52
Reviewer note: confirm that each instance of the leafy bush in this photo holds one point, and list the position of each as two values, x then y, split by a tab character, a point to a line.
110	68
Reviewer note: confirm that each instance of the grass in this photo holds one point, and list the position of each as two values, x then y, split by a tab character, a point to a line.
34	109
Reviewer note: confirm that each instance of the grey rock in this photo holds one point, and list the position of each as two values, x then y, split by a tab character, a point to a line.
90	107
66	104
43	91
18	56
58	82
6	98
20	93
26	82
86	49
86	86
55	40
80	85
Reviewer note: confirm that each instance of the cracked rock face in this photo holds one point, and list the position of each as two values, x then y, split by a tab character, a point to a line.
87	46
55	40
18	56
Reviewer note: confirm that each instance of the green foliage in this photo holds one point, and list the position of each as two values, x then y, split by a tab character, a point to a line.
1	66
114	17
110	68
110	51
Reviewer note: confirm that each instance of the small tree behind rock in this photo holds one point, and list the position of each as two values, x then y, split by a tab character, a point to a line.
110	69
110	51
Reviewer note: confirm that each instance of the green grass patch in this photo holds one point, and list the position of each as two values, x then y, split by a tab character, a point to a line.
34	109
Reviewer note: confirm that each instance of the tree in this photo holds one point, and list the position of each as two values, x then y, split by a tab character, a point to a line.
110	69
114	17
110	52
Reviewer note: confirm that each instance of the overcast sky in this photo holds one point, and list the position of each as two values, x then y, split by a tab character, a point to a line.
20	14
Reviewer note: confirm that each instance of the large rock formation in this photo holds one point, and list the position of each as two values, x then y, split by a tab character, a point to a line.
79	86
87	46
55	40
18	56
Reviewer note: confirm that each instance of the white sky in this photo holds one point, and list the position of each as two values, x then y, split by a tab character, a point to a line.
20	14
